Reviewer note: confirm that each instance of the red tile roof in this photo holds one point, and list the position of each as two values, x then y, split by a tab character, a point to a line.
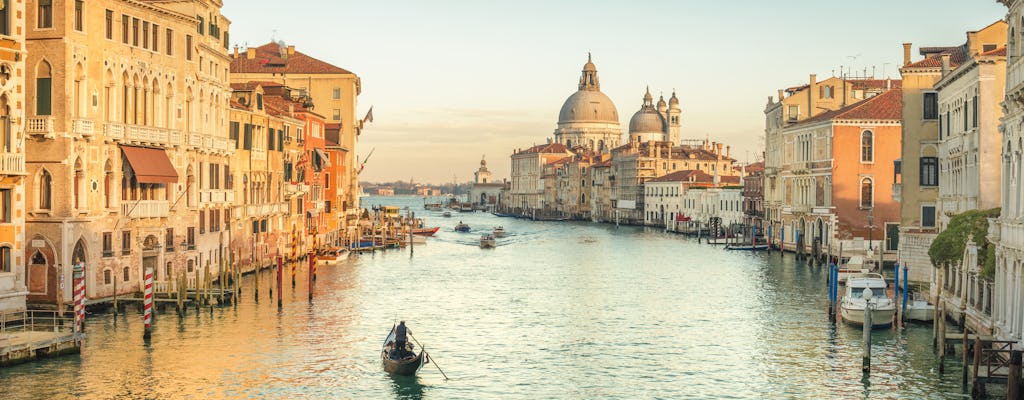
885	106
956	57
997	52
684	176
269	60
755	167
547	148
865	84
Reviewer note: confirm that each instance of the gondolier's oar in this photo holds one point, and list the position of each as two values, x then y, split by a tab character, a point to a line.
431	359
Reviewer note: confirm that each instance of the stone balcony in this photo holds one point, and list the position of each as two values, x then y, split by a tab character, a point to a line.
264	210
41	126
1015	77
217	196
145	209
82	127
165	138
12	164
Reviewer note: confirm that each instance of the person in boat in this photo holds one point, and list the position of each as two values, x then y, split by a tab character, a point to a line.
400	350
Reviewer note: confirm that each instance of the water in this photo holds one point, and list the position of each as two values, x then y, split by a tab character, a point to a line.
558	310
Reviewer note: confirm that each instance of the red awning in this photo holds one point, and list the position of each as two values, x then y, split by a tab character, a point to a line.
150	165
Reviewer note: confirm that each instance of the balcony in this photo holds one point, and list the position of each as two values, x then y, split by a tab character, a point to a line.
145	209
12	164
1015	77
40	126
263	210
141	135
82	127
217	196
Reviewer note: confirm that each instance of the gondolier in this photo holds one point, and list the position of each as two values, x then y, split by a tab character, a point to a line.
401	340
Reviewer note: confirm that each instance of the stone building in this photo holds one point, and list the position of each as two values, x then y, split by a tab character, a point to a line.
667	199
588	118
527	190
485	192
127	131
753	195
13	277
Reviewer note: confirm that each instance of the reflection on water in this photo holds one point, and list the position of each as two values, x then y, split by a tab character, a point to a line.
557	310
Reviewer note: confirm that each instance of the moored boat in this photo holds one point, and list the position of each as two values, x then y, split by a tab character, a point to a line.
499	232
447	214
883	308
400	359
488	242
425	231
461	227
747	246
332	256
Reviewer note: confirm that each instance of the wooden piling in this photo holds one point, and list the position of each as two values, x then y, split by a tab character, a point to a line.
976	388
115	294
280	271
312	260
866	361
942	336
256	275
1013	379
963	359
938	301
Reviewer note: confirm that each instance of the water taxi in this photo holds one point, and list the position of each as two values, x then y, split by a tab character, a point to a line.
461	227
488	242
883	308
499	232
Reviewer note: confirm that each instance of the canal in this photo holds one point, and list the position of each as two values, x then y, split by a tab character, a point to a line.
557	310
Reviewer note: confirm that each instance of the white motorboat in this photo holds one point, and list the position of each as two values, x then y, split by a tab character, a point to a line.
488	242
447	214
919	310
883	308
499	232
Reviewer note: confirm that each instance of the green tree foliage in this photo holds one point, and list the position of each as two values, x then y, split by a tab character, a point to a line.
949	246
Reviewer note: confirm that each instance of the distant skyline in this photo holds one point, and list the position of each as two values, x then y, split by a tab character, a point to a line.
450	81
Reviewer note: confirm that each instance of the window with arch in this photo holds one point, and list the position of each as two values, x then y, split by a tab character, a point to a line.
5	259
867	147
108	277
867	192
44	105
127	273
45	190
77	185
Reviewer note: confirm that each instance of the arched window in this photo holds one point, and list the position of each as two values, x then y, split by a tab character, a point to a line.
867	147
107	277
867	192
43	89
77	184
45	190
5	259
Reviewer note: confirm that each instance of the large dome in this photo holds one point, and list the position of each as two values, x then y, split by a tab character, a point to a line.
647	120
588	106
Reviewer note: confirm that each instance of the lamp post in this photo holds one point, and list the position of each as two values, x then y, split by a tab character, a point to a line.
871	231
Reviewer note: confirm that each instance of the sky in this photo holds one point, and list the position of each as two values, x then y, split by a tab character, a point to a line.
453	81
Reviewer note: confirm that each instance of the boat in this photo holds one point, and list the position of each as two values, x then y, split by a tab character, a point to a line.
746	246
447	214
432	206
550	218
499	232
883	308
855	265
466	207
488	242
918	309
502	214
332	256
407	365
461	227
425	231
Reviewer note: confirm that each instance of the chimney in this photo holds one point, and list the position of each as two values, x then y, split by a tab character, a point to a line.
906	54
250	53
812	91
236	52
781	94
291	49
945	64
728	151
719	151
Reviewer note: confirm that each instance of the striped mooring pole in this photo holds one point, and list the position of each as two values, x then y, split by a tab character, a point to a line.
78	276
147	304
313	255
295	252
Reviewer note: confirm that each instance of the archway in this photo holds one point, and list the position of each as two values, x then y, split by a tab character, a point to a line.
42	270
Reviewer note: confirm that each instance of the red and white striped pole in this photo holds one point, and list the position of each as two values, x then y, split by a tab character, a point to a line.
316	252
78	276
147	304
295	246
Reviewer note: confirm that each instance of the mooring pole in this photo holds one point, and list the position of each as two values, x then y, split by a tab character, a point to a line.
78	277
147	306
280	273
866	362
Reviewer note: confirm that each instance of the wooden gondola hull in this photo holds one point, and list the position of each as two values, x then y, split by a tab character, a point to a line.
407	366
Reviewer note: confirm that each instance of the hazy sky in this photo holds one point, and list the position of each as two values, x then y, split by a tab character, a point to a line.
450	81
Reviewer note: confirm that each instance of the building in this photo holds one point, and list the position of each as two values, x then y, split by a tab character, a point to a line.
918	183
485	192
753	195
700	204
601	186
833	182
14	285
333	90
656	124
128	143
526	194
667	199
588	118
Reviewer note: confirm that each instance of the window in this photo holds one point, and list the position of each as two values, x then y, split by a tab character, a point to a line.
5	259
867	147
892	237
155	31
126	273
124	29
44	18
985	48
79	23
931	105
336	115
233	133
190	238
927	216
145	34
794	113
227	219
200	24
108	244
228	180
188	47
45	190
202	221
929	171
135	31
867	192
169	240
170	42
5	18
109	25
5	206
259	101
337	94
247	140
270	138
43	89
126	242
107	277
974	111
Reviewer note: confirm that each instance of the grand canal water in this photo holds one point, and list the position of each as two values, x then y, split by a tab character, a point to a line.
557	310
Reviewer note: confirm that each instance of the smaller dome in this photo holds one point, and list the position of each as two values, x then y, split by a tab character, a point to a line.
647	120
661	101
674	101
589	66
647	97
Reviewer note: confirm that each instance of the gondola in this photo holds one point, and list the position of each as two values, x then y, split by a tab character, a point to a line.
407	365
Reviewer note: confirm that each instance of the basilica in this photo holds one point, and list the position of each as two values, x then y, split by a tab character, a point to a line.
590	170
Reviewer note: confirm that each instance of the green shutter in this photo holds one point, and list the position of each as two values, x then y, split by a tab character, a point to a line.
248	137
43	91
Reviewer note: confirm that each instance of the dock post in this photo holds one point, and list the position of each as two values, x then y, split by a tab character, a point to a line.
181	294
312	273
963	359
937	309
280	273
1013	379
147	306
896	295
977	389
115	294
866	362
78	277
256	275
906	293
942	337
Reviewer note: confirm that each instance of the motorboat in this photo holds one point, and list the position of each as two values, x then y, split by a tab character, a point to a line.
918	309
433	206
425	231
499	232
488	242
461	227
746	246
447	214
332	256
863	290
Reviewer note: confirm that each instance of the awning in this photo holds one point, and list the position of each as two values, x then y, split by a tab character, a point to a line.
325	161
150	165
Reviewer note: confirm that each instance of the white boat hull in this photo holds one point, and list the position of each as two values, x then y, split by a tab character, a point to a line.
919	310
880	318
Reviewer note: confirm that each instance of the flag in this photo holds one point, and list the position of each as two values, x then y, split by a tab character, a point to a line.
369	115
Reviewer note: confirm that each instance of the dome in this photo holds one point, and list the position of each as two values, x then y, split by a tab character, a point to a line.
647	120
588	106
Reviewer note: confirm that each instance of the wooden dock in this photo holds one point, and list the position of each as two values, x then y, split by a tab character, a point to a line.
29	335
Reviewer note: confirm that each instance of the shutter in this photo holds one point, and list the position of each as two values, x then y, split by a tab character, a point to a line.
43	94
247	145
